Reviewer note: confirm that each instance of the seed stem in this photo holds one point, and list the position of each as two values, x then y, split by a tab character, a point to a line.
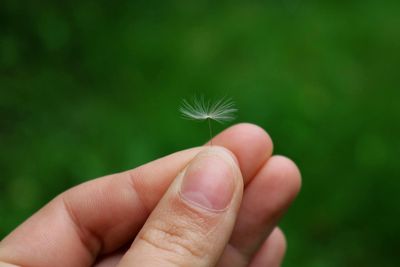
211	134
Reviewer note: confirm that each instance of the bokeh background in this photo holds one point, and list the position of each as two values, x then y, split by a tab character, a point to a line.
89	88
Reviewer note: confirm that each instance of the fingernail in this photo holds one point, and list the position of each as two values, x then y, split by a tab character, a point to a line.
208	182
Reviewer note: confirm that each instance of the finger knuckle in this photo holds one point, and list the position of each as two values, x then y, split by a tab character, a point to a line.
178	239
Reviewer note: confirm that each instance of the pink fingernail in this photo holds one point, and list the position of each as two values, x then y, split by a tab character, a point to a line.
209	180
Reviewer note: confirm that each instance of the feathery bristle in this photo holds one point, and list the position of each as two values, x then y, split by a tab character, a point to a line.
221	111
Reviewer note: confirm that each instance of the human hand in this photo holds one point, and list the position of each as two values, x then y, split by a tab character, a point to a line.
157	214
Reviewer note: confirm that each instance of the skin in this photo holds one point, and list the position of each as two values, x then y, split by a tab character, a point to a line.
141	217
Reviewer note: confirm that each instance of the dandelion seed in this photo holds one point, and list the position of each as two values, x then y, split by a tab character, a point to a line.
220	111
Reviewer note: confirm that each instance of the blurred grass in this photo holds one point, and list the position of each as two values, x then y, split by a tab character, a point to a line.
89	88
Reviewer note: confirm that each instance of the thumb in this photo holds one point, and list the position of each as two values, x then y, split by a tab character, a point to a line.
192	223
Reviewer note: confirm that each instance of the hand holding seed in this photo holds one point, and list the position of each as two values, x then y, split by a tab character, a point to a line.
205	206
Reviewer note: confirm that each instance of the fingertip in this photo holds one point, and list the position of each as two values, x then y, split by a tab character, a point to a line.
251	144
279	239
223	152
266	199
253	132
272	250
287	174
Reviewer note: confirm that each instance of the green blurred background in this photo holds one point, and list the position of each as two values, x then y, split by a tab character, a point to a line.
89	88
